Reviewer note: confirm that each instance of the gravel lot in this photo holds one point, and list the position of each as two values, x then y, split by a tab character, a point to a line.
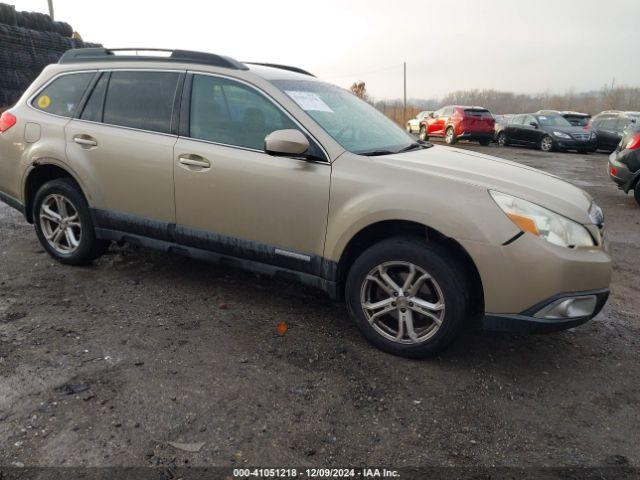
105	365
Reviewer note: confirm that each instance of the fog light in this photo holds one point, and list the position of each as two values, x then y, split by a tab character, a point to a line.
572	307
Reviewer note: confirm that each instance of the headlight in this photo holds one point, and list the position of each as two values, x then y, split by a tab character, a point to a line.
561	135
543	223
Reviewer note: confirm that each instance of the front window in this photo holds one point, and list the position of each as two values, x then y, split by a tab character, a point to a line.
553	121
228	112
351	122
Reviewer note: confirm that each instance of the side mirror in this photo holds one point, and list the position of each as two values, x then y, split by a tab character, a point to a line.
286	143
533	124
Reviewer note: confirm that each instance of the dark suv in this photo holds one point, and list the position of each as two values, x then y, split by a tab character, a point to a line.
577	119
609	126
455	123
547	132
624	163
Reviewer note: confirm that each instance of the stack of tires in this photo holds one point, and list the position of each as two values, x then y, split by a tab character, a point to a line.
29	41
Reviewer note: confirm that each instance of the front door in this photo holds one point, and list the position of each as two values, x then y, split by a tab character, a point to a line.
234	199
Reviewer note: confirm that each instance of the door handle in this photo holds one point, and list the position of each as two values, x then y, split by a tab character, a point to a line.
194	161
85	141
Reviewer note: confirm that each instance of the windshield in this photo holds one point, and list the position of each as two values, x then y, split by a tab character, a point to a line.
553	121
353	123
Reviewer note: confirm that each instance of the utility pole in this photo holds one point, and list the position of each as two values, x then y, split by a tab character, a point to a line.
50	8
404	105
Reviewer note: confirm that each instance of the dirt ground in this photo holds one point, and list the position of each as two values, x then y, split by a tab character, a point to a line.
104	365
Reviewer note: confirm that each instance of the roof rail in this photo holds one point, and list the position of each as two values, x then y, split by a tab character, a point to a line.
77	55
282	67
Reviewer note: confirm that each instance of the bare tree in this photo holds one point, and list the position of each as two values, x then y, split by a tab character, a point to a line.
359	89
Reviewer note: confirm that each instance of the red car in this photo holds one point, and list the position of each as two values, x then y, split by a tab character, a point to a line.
456	122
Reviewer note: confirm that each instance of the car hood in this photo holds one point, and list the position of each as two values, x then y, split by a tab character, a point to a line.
494	173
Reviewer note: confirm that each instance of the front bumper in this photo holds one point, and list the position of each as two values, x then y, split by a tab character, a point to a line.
618	168
528	271
573	144
534	320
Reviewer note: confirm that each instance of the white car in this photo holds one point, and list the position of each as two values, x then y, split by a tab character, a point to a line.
413	125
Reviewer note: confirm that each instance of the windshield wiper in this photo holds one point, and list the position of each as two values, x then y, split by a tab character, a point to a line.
411	146
375	153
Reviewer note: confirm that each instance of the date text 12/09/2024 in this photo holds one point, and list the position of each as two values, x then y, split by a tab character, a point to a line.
315	473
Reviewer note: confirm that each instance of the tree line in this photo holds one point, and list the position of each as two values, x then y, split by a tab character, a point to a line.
500	102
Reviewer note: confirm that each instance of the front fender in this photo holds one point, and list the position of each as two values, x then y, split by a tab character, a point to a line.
362	195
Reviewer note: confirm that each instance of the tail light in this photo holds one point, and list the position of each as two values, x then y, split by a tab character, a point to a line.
634	143
587	126
7	121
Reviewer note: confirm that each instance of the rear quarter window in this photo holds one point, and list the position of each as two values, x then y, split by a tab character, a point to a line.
63	95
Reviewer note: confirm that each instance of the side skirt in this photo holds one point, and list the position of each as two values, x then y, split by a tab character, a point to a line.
330	287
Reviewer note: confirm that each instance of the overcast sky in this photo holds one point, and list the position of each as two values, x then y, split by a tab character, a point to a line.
517	45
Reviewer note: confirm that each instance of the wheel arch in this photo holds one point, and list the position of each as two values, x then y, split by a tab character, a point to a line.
382	230
40	173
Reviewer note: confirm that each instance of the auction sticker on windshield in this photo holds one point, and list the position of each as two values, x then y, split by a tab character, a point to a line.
309	101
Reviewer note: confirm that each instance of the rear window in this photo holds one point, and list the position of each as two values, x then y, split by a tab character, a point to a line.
63	95
577	121
477	112
142	100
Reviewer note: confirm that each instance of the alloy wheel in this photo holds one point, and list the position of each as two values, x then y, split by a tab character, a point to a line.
60	223
547	144
449	137
402	302
423	133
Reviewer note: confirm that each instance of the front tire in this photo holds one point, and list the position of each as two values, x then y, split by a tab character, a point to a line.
502	139
408	297
63	223
546	144
450	136
636	192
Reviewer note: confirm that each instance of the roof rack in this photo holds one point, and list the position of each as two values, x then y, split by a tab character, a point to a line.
77	55
282	67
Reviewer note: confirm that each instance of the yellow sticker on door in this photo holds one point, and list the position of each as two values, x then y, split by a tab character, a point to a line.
44	101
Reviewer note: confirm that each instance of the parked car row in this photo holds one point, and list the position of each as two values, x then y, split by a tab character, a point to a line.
545	129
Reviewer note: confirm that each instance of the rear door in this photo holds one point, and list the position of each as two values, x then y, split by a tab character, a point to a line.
609	134
122	148
232	197
513	130
436	123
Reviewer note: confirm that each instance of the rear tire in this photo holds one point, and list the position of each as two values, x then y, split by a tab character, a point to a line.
424	136
450	136
636	192
411	334
64	225
485	142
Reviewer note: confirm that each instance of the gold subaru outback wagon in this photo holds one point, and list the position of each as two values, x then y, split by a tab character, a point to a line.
265	167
